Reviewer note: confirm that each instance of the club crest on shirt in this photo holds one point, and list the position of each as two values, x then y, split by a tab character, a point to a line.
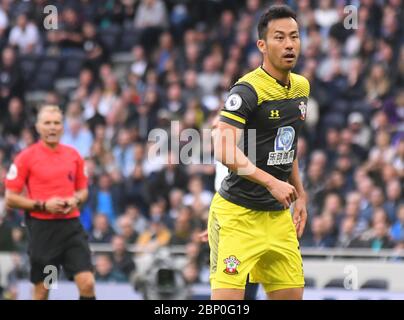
233	102
12	172
231	265
303	110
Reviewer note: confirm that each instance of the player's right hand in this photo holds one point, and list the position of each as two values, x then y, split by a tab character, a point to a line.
282	191
56	205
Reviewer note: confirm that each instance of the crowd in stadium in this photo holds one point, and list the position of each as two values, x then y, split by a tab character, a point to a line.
120	68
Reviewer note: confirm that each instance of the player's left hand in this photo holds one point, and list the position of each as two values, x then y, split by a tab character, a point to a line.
300	215
70	204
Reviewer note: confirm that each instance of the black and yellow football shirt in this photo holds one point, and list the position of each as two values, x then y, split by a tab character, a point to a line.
276	113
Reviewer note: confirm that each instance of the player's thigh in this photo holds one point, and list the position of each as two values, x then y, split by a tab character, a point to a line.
236	243
77	254
44	250
282	266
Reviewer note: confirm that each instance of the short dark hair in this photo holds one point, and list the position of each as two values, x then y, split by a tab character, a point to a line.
274	12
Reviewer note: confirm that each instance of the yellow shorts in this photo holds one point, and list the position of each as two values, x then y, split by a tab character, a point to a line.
260	243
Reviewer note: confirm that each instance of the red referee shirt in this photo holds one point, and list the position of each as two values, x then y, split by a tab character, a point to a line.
48	173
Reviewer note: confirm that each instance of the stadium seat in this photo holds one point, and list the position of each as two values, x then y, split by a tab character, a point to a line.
110	37
129	38
43	81
309	282
48	64
381	284
335	283
72	65
28	65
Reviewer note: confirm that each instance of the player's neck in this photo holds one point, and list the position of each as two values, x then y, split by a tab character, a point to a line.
282	76
51	146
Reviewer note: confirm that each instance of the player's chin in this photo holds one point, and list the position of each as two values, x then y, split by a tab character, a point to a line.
52	140
288	64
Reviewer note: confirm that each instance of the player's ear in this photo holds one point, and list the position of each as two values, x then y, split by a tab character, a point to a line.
261	46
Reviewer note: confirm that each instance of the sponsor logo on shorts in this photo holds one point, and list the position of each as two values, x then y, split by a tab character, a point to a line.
231	265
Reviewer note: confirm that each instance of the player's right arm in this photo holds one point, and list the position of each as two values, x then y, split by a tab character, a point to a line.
227	137
18	201
15	183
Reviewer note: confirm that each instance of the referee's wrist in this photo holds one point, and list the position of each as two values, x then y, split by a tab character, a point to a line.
40	206
78	201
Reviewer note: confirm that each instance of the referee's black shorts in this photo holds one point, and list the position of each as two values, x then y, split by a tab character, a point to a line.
57	243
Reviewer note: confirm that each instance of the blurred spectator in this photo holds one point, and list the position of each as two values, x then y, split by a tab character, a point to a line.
209	78
198	197
11	83
15	120
140	223
105	198
190	273
105	272
320	236
382	153
172	176
25	36
155	236
122	259
126	229
67	38
398	160
394	196
182	228
102	231
150	18
123	153
6	237
377	237
4	21
346	235
361	133
77	135
397	229
95	51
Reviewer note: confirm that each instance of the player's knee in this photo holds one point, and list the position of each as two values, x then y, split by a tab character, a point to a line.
86	283
286	294
40	292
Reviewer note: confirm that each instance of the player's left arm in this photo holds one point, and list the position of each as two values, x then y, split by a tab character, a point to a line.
300	210
81	185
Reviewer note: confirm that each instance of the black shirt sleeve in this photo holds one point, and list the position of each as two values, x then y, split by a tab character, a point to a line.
242	100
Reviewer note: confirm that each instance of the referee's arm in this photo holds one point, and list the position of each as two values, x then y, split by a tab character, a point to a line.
78	199
227	152
15	200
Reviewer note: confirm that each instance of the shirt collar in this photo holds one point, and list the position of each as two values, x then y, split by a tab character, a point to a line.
44	147
277	81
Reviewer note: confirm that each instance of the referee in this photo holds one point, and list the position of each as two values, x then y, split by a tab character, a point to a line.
251	230
48	181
